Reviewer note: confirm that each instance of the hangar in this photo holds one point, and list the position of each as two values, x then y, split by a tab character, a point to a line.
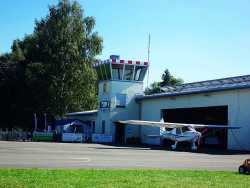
221	101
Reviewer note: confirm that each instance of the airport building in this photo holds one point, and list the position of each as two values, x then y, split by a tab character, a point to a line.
217	102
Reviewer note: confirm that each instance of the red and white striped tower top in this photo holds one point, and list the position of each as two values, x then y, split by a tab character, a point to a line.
121	61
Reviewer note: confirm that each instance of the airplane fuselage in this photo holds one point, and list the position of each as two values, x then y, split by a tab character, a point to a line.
176	135
188	136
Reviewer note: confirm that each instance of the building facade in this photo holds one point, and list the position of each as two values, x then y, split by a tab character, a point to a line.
223	101
217	102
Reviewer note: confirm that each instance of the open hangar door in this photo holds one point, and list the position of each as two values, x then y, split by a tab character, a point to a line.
120	134
215	115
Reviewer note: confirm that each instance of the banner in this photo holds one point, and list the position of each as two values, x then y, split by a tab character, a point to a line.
72	137
101	138
42	136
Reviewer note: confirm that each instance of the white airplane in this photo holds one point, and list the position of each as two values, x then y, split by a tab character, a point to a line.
179	132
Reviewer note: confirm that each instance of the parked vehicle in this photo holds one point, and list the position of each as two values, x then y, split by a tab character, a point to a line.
245	167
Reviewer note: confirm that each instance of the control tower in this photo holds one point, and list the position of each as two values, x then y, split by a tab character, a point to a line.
119	83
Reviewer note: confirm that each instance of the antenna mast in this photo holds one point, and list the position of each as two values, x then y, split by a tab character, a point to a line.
148	57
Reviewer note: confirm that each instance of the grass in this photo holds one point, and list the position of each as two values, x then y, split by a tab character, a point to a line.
37	178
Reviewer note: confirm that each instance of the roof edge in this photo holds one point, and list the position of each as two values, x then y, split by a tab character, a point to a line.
90	112
162	95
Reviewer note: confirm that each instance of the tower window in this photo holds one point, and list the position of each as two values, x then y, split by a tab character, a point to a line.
140	73
117	71
128	74
117	74
137	73
121	100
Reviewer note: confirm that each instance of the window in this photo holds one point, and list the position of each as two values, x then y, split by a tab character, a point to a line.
128	72
168	129
121	100
117	71
185	129
140	73
103	126
104	104
107	71
178	131
105	87
117	74
137	73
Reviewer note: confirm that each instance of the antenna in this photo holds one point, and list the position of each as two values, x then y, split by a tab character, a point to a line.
148	57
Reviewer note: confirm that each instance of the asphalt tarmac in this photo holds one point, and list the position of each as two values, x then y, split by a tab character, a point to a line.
76	155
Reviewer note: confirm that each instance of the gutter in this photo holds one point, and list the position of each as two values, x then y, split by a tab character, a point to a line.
175	94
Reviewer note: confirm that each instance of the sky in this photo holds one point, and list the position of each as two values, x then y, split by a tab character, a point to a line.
195	39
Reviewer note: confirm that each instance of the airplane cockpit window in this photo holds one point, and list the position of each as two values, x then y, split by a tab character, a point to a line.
185	129
178	131
168	129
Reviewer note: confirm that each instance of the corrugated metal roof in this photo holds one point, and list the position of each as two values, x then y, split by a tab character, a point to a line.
231	83
91	112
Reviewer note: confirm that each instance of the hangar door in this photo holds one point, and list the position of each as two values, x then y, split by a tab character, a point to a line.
215	115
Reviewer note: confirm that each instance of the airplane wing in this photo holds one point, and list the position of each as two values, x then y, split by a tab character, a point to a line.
171	125
153	136
147	123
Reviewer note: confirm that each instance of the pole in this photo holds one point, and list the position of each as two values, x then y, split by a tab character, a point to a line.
149	38
35	121
45	122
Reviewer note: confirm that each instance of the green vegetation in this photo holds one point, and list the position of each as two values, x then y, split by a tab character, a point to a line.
120	178
168	80
50	71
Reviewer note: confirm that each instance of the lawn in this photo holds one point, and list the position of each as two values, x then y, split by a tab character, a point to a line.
120	178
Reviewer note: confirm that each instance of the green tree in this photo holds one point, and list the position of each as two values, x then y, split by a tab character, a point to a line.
13	98
51	69
154	88
17	53
167	80
67	47
4	58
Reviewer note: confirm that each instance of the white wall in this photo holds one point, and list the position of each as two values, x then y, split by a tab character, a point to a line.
131	111
238	102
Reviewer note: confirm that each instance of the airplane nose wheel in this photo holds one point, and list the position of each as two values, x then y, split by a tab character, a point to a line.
174	146
198	142
194	147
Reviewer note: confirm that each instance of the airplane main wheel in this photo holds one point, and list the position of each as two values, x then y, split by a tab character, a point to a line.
242	170
173	148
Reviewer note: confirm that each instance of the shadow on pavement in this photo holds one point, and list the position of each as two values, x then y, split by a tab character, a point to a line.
211	151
